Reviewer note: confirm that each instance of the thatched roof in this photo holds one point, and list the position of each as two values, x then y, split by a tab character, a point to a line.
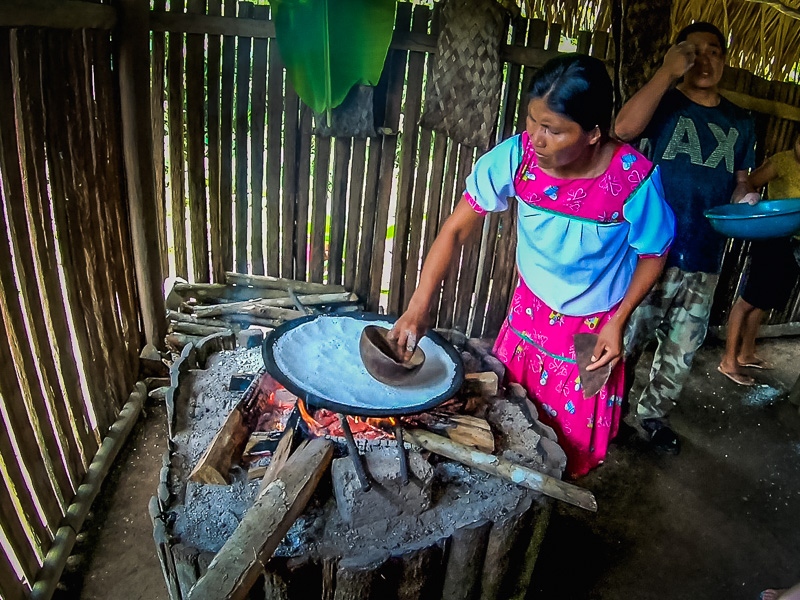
764	35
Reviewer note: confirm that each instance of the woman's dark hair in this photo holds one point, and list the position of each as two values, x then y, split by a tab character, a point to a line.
702	27
577	86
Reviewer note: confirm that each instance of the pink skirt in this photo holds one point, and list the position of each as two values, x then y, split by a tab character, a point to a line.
535	344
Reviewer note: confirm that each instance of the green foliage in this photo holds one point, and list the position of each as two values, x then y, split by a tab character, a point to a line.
330	45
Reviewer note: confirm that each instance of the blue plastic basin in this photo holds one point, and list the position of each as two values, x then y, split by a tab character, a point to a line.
765	220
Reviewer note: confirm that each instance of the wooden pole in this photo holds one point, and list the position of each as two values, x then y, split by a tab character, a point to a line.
134	83
240	562
549	486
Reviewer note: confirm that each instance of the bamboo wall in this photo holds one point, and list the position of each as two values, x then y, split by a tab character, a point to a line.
69	323
270	185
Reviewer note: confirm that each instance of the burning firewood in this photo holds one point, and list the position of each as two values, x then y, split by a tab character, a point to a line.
240	562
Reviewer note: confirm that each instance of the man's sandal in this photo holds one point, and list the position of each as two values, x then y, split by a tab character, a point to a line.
737	378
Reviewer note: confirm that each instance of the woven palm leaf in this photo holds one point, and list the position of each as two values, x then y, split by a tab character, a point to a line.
464	90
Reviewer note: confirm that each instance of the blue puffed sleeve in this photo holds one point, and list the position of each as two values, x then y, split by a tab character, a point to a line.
492	179
652	222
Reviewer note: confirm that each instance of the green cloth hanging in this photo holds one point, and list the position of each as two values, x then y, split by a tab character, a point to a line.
328	46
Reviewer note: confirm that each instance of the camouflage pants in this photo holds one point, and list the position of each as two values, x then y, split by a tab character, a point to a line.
676	311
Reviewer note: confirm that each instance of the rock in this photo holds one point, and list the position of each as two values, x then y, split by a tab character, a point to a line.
388	497
491	363
249	338
151	363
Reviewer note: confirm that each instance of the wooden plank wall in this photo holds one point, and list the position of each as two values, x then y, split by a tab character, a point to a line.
288	202
773	134
69	321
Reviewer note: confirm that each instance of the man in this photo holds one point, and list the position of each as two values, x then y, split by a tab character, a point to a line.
704	146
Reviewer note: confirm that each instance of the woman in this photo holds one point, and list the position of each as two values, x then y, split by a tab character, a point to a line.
771	276
593	232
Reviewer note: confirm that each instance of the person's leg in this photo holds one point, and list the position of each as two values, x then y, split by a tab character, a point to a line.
643	324
738	329
686	324
747	351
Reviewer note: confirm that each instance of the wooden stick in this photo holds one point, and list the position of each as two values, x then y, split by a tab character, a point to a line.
279	458
197	329
338	298
214	465
240	562
180	317
549	486
254	309
279	283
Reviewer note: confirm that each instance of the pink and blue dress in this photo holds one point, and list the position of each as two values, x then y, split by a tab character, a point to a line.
579	241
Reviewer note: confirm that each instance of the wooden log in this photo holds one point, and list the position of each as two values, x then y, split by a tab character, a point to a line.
185	560
291	141
158	67
63	15
356	579
395	71
319	205
541	519
180	340
470	431
213	86
341	161
254	309
408	164
465	559
238	564
504	552
307	300
197	329
205	292
226	146
280	283
420	573
176	144
481	384
549	486
215	463
163	550
279	458
196	147
242	127
187	318
303	177
258	113
275	158
368	219
358	167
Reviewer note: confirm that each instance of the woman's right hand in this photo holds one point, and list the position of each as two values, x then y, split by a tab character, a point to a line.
679	59
409	329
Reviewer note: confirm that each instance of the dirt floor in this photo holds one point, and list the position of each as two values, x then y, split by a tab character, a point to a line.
718	521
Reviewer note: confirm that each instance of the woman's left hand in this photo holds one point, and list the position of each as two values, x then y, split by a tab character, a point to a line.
609	346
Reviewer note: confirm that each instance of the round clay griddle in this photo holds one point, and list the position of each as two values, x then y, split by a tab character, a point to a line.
317	358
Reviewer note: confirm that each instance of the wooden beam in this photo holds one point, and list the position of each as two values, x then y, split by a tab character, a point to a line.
774	108
211	25
66	14
240	562
140	177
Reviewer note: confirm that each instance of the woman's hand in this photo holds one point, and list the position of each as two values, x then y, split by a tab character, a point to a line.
609	345
409	329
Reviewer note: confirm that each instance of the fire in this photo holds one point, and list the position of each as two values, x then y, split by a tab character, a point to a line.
276	407
312	424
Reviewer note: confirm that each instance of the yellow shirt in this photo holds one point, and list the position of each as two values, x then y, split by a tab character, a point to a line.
787	184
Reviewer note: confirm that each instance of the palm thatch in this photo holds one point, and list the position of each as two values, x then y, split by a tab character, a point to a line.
764	35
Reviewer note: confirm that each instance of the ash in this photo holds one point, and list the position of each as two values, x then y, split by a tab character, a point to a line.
206	515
